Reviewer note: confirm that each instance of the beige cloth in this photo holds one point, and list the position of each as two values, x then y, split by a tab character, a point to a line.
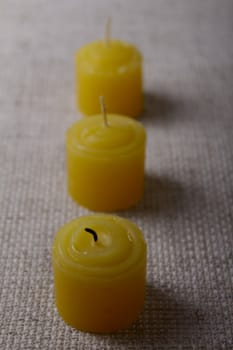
186	213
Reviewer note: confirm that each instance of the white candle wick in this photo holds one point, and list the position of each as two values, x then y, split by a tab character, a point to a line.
103	110
108	31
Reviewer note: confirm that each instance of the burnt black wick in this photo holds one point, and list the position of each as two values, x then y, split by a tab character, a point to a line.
92	232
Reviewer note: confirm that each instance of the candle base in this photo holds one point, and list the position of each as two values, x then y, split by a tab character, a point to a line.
106	328
105	206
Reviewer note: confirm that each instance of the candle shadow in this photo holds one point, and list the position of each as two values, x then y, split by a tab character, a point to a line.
162	195
160	108
168	313
165	321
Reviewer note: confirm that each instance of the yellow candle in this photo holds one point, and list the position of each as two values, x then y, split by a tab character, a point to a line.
111	68
105	163
99	265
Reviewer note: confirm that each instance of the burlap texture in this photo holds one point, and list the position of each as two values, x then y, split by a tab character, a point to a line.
186	213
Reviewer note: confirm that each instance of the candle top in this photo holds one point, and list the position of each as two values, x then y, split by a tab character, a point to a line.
120	245
122	136
115	57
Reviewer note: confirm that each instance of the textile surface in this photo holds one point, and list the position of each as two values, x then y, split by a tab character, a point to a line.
186	212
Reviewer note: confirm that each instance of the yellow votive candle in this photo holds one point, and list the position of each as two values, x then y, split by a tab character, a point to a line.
99	265
111	68
105	163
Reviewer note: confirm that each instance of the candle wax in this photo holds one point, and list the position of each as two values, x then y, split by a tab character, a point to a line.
105	165
99	285
113	70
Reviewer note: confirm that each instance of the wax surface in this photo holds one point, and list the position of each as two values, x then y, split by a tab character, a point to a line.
99	285
105	165
114	71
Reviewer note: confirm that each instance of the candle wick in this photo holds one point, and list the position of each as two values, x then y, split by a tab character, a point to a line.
108	31
103	110
92	232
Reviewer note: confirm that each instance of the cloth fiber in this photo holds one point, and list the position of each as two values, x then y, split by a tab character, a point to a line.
186	213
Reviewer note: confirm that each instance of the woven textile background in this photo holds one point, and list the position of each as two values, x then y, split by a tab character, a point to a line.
186	213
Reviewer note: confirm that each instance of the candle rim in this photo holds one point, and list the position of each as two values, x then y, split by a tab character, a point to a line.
101	273
95	63
136	144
